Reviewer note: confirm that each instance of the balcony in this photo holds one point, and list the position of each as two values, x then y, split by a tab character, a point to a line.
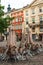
34	24
18	27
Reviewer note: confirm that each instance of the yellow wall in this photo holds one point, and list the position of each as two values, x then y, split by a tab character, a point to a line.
36	5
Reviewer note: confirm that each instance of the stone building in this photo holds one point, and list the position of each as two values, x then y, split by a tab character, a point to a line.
30	16
33	17
17	22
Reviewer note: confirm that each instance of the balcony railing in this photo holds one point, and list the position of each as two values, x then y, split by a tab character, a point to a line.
35	24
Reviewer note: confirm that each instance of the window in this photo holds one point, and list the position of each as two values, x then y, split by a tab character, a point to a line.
26	13
33	20
41	18
18	36
33	37
33	29
40	10
26	20
20	26
16	27
41	28
38	38
33	12
20	19
16	19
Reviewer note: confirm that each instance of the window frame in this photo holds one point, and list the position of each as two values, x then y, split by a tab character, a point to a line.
33	11
26	20
33	20
26	13
17	19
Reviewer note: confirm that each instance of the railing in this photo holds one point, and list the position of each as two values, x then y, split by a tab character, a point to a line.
35	23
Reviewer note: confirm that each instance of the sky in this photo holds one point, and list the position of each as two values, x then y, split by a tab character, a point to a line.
15	3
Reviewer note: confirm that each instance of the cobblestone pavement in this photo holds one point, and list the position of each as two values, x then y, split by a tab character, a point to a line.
22	63
36	60
3	43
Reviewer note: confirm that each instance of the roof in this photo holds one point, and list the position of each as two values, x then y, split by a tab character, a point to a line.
28	5
16	10
32	2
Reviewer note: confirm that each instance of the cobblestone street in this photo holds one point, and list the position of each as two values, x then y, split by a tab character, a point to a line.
3	43
23	63
36	60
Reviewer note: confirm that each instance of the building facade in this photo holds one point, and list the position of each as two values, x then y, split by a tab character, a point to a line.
17	22
29	16
33	17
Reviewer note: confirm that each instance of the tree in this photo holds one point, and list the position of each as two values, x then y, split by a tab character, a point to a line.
4	21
